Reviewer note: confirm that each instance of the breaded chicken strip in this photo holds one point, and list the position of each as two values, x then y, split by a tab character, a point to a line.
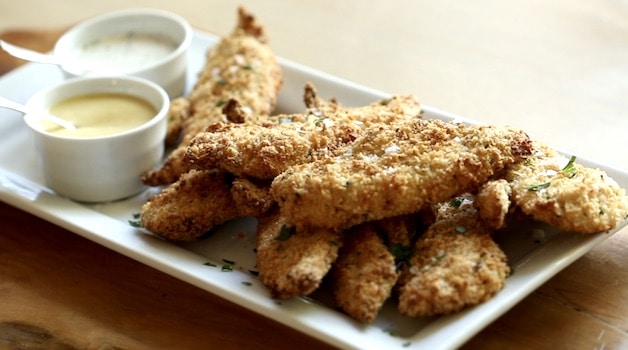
455	264
364	273
293	262
554	189
240	67
190	207
264	151
395	169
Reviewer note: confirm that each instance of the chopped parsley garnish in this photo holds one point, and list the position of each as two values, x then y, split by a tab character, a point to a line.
391	332
456	202
226	268
136	222
570	169
210	264
230	262
220	103
460	229
246	283
539	187
285	233
319	121
402	253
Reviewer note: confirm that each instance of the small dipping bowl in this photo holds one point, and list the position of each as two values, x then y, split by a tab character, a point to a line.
145	43
99	168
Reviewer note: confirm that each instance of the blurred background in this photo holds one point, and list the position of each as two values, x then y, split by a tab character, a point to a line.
558	69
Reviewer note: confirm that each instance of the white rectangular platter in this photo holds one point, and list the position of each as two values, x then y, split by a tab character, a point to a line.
200	263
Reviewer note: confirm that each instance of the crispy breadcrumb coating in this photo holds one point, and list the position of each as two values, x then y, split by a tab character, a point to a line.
265	149
554	189
456	264
395	169
364	273
293	262
190	207
240	67
251	199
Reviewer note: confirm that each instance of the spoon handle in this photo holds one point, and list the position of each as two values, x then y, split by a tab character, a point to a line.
26	54
6	103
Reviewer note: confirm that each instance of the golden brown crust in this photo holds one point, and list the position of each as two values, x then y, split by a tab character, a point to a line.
250	198
364	274
578	199
190	207
240	67
293	262
395	169
456	264
265	148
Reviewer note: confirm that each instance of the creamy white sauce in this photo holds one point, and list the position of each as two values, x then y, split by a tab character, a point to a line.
124	53
100	115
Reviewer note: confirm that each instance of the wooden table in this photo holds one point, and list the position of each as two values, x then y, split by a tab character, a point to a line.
557	69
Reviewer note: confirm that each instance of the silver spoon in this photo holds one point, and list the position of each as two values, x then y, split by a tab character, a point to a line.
6	103
28	55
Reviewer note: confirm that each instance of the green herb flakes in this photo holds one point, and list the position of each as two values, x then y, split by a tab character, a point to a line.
539	187
285	233
570	169
460	229
136	221
210	264
456	202
402	253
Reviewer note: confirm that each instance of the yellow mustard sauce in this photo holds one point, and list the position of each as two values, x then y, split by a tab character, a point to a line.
100	114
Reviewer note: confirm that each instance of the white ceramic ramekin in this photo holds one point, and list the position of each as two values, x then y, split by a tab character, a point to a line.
168	71
105	168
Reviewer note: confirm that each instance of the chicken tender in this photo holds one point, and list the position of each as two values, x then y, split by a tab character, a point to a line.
455	264
241	67
395	169
554	189
293	262
190	207
265	151
364	273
